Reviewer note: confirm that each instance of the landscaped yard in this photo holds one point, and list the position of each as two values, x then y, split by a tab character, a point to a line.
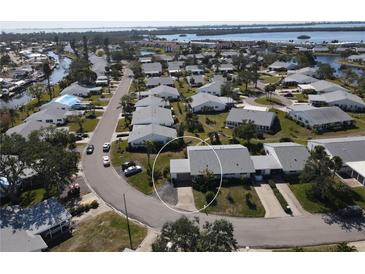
97	100
141	181
233	201
106	232
184	88
88	125
269	79
315	206
121	127
266	101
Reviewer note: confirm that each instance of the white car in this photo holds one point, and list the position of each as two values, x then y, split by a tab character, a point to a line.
132	170
106	147
106	161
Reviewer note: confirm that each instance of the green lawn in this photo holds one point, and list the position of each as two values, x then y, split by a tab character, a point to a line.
315	206
184	88
97	100
269	79
121	127
32	197
88	125
265	101
141	181
231	201
300	97
106	232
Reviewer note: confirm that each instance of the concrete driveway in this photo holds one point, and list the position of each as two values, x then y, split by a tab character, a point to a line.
290	198
268	199
185	198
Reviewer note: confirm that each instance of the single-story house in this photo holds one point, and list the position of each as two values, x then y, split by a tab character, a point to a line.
29	229
152	69
152	115
340	98
265	165
152	132
235	161
323	86
27	128
102	81
350	149
264	121
297	78
282	66
229	68
156	81
356	58
321	119
214	88
98	64
195	80
320	49
151	101
165	92
309	71
65	101
145	59
204	102
164	57
51	115
193	69
76	89
291	156
175	68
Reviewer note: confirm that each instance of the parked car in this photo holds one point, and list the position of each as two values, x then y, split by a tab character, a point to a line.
90	149
106	161
351	212
80	136
132	170
106	147
127	165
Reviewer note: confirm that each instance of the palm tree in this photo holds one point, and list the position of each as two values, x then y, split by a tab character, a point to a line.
46	68
150	148
79	120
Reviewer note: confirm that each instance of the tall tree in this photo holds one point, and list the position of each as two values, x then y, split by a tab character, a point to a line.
150	148
325	71
106	49
85	48
47	71
36	90
246	131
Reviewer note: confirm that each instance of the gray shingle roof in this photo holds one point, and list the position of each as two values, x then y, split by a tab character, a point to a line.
151	131
203	98
78	90
50	113
155	81
152	115
151	101
27	128
152	68
300	79
335	96
214	87
282	65
98	64
325	86
262	162
291	156
259	118
180	166
324	115
235	159
164	91
349	149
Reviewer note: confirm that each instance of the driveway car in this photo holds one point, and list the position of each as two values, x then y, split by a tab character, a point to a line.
106	147
130	171
90	149
106	161
127	165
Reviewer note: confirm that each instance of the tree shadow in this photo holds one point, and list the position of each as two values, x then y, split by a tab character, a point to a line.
347	224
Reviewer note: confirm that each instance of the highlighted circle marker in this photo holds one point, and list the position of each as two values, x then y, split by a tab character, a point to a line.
153	172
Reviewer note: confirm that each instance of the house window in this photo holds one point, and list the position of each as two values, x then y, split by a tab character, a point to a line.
49	121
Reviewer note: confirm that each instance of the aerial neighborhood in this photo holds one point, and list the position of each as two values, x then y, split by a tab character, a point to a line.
271	130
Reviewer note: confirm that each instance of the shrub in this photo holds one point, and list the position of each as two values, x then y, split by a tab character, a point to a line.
249	202
94	204
209	197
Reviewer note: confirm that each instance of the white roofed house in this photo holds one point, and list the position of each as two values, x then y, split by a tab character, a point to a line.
323	86
195	80
193	69
350	149
282	66
156	81
226	68
175	68
342	99
152	69
152	115
51	115
204	102
298	78
321	119
309	71
357	58
214	88
153	132
235	161
165	92
27	128
152	101
76	89
264	121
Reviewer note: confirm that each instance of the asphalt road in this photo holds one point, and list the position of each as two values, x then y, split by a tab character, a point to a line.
254	232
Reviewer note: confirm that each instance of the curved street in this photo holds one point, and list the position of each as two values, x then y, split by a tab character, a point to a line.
254	232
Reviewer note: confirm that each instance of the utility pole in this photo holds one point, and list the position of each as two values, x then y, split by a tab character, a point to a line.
129	229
